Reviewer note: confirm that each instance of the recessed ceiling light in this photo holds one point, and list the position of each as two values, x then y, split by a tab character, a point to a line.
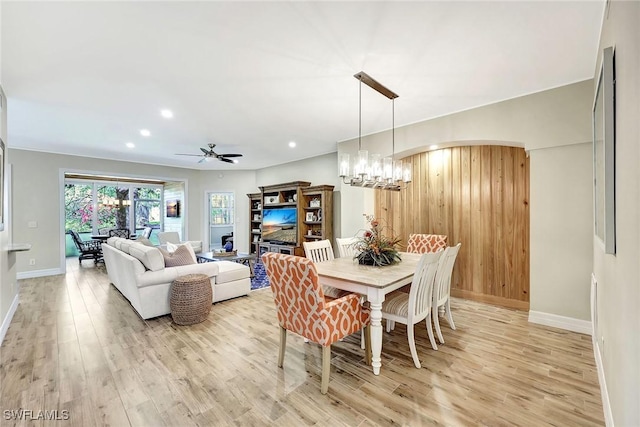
292	144
433	147
167	114
130	145
145	132
235	161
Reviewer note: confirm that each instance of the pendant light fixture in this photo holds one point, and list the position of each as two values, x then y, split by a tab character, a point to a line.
369	170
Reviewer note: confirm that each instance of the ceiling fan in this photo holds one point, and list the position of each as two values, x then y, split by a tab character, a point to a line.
210	154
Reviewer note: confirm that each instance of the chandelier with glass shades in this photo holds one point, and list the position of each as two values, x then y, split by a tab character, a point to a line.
370	170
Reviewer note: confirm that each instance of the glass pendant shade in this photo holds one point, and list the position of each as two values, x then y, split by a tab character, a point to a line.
345	165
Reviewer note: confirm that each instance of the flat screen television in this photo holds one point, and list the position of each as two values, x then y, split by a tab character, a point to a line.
280	225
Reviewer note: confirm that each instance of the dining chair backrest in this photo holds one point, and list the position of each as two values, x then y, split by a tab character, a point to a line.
442	284
346	246
421	293
119	232
298	295
319	251
426	243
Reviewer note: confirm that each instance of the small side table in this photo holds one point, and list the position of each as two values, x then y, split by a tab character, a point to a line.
191	298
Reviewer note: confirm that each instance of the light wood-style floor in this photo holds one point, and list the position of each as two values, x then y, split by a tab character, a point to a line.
76	344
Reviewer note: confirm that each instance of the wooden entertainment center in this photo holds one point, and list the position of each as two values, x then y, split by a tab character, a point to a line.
312	207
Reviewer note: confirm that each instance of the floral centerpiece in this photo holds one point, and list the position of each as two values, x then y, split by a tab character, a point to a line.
374	248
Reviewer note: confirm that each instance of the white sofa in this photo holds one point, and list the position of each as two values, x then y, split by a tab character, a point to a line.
139	273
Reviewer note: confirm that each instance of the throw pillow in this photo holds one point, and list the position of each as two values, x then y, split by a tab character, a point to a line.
171	247
180	256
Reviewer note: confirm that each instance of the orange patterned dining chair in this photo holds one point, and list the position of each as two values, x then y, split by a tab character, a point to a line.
302	308
426	243
442	288
415	306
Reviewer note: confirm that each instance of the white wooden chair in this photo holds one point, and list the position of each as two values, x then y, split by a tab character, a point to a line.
442	288
321	251
415	306
346	246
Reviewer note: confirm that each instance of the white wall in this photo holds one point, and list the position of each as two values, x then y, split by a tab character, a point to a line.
561	193
618	276
321	170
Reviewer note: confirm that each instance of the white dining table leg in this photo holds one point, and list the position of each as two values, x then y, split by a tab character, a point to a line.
375	301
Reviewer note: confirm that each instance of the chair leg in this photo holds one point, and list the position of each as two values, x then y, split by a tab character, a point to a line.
283	346
447	310
391	325
367	344
326	368
363	345
430	332
412	346
436	323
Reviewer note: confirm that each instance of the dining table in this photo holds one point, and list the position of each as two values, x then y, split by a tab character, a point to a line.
374	282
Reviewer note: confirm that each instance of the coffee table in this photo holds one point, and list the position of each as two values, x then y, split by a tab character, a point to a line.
240	257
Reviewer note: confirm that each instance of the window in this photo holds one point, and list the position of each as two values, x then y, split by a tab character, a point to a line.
221	218
93	207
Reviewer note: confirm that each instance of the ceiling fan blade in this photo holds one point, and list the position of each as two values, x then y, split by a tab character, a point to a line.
182	154
204	159
222	159
230	155
205	151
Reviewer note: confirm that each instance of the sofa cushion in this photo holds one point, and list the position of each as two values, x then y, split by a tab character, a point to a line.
150	257
126	245
181	256
229	271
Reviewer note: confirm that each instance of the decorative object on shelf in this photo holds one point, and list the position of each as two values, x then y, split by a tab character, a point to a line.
270	200
319	214
368	170
314	203
228	247
309	216
374	248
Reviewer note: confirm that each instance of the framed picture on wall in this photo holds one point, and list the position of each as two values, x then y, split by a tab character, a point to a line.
173	208
604	153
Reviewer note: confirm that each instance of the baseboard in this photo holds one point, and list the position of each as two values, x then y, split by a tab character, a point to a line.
38	273
562	322
7	319
606	405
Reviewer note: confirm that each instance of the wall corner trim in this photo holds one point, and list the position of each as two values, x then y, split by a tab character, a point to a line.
38	273
606	405
7	319
562	322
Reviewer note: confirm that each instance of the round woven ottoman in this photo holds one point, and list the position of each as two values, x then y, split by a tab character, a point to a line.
191	299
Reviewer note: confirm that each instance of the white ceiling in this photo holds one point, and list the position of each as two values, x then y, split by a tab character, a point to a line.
84	77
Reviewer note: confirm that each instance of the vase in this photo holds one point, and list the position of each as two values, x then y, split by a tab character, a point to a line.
367	258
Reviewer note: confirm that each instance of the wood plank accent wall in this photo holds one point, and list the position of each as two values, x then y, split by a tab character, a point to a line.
479	196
